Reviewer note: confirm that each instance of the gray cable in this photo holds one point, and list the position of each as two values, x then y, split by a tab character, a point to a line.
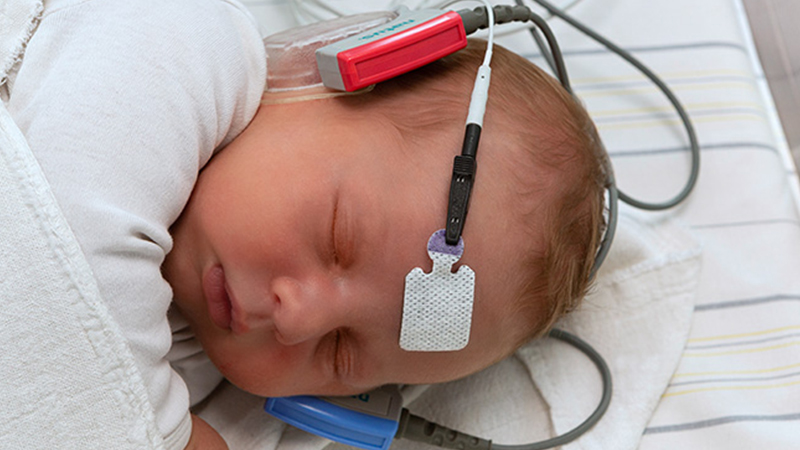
693	143
416	428
537	38
555	49
419	429
544	51
611	228
476	19
587	424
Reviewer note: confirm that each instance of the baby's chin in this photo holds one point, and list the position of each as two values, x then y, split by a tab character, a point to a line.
283	384
263	388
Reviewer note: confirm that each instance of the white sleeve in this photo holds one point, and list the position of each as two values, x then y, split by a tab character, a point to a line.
123	102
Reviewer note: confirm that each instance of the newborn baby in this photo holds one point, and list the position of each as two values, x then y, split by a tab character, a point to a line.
290	257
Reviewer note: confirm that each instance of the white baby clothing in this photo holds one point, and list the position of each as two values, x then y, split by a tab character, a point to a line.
122	103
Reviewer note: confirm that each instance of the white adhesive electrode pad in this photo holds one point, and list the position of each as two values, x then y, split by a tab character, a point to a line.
437	306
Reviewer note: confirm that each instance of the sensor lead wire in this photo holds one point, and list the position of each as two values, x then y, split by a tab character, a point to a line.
694	146
418	429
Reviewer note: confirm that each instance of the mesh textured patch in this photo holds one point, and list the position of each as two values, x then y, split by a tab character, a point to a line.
437	306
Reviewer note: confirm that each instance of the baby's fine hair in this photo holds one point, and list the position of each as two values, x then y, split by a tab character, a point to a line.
557	163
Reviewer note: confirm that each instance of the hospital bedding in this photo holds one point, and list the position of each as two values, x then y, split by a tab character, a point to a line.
737	385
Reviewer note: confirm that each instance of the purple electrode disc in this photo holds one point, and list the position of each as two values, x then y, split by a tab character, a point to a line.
438	244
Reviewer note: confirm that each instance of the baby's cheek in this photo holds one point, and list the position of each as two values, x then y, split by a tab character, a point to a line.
269	370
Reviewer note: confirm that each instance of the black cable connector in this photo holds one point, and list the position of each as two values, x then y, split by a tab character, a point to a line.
464	166
417	429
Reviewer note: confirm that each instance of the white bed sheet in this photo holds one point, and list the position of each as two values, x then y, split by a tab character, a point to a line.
738	383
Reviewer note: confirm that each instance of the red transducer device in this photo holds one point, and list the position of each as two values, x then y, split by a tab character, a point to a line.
411	40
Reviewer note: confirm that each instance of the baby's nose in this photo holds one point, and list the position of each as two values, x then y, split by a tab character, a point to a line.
306	309
253	312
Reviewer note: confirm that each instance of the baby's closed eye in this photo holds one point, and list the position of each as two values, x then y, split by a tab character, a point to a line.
342	237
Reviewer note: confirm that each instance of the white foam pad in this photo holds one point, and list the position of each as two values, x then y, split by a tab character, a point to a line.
437	306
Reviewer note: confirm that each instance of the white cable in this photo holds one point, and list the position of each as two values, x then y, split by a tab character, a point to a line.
490	41
480	92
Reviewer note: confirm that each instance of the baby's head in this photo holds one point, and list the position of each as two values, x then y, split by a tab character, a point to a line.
290	258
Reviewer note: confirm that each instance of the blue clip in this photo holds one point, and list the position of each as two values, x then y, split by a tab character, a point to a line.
367	421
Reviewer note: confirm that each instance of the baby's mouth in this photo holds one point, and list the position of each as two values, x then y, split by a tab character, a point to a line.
220	309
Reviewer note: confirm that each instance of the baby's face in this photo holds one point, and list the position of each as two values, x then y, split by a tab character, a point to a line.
290	258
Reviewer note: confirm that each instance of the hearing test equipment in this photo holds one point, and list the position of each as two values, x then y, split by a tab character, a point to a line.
355	52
